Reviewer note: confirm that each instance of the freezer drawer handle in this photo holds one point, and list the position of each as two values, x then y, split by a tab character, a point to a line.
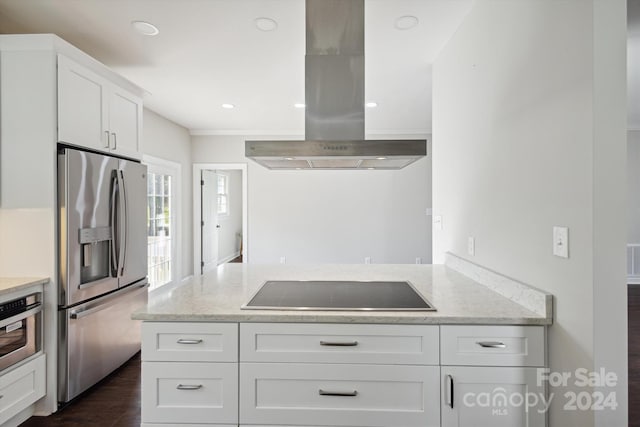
339	343
83	313
189	386
184	341
491	344
353	393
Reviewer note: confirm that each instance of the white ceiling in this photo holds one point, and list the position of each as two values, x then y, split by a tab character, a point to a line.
209	52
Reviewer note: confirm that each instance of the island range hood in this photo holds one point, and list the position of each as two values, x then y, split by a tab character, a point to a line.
334	97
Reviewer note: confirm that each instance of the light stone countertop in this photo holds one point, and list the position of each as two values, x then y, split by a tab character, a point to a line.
9	285
218	295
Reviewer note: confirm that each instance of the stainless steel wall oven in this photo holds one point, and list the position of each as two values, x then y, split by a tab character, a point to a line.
20	329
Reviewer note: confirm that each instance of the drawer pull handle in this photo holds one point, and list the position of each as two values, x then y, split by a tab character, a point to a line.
339	343
491	344
353	393
184	341
448	391
189	386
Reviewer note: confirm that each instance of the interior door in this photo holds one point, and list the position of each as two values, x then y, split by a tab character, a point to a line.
209	220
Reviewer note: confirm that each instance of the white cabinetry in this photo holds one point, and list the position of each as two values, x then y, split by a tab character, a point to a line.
339	375
21	387
343	375
95	113
499	385
189	374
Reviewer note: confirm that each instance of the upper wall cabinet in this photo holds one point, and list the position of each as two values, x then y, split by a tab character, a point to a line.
95	113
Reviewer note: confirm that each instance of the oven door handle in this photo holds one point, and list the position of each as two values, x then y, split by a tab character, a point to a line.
33	310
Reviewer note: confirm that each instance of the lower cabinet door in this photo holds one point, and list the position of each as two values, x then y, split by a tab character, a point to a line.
189	392
22	386
339	395
492	397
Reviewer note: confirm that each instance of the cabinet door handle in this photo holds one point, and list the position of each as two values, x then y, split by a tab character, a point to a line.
339	343
189	386
491	344
353	393
107	141
448	390
115	141
185	341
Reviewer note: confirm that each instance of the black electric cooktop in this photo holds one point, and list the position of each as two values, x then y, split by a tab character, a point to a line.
338	295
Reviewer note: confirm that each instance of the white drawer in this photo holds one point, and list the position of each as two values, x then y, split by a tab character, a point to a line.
492	345
307	394
189	342
189	392
21	387
339	343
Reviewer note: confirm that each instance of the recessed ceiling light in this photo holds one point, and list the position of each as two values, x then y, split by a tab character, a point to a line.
370	169
371	104
381	158
299	105
228	106
406	22
288	158
145	28
266	24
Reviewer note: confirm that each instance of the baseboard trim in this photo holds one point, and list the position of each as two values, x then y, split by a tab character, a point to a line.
229	258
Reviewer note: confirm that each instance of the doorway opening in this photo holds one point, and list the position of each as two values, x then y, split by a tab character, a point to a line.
219	215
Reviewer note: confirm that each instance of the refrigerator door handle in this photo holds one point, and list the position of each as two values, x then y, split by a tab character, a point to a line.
79	314
122	224
114	226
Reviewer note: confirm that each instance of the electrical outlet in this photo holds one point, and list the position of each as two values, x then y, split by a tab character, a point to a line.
471	246
418	260
561	242
437	222
283	260
367	260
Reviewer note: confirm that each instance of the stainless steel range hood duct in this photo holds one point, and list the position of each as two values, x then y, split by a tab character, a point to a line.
334	97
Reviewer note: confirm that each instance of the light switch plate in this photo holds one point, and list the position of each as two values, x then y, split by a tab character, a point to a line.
437	222
561	242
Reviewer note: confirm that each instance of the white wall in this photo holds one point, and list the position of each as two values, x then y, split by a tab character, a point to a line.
231	225
330	216
166	140
529	122
633	185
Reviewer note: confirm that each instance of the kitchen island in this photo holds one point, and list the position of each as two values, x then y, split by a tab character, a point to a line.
206	361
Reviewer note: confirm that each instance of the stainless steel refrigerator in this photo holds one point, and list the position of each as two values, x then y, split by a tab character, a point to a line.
103	265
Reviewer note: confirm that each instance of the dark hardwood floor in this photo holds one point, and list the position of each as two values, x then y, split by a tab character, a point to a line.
634	354
114	402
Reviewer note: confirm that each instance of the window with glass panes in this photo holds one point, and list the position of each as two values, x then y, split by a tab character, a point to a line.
223	194
159	227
